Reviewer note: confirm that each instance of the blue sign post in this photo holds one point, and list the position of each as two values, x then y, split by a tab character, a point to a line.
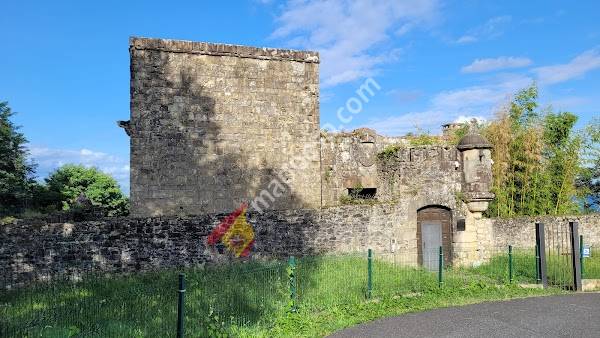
586	252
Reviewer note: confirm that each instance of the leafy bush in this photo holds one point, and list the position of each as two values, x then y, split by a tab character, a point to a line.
70	181
389	152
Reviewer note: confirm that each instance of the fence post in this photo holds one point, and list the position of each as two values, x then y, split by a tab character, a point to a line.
540	239
293	285
576	259
441	268
369	273
180	306
581	254
510	264
538	279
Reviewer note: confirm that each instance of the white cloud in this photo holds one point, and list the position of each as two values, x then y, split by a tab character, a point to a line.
491	29
467	119
349	34
470	98
569	102
491	64
403	96
466	39
581	64
479	101
48	159
429	120
481	98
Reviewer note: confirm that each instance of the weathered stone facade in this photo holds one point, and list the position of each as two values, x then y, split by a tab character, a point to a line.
36	248
212	124
351	160
414	179
496	234
520	231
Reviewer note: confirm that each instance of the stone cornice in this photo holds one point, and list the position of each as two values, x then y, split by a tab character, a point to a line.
205	48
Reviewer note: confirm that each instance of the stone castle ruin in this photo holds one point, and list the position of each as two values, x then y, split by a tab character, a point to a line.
213	126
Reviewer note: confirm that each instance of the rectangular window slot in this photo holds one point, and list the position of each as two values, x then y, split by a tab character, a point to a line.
363	193
460	224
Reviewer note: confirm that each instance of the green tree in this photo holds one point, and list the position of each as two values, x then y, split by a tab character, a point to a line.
16	173
70	181
588	180
517	139
562	153
537	160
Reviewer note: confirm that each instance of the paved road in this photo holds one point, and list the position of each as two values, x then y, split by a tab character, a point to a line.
575	315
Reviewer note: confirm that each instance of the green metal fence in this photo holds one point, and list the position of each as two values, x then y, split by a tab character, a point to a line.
235	295
89	304
590	266
238	295
323	281
509	265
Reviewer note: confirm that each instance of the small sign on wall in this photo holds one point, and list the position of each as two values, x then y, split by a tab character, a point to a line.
586	252
460	224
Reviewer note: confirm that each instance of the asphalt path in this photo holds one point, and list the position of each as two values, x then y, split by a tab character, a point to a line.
576	315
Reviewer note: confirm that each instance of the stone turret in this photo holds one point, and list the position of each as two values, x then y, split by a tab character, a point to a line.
475	154
477	171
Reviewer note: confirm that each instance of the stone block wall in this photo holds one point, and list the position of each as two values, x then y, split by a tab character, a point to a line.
212	125
31	249
494	234
421	171
520	231
36	248
350	160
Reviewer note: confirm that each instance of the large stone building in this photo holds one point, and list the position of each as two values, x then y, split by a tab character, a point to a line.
213	126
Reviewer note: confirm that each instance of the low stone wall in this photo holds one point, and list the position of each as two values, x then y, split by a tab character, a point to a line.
520	231
32	249
37	248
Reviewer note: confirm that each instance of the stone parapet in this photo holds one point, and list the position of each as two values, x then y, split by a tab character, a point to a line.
220	49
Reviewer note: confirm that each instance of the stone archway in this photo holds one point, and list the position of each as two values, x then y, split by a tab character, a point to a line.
434	229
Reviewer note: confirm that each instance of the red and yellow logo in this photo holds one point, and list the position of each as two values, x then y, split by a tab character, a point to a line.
235	233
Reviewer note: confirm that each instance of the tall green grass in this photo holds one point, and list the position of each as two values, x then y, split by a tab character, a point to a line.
558	267
591	265
497	268
242	299
133	306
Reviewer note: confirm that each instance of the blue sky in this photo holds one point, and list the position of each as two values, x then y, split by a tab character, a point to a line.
65	65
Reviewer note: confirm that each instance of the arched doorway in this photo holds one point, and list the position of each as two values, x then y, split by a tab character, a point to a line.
434	229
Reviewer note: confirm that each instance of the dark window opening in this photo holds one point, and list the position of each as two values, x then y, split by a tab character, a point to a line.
363	193
460	224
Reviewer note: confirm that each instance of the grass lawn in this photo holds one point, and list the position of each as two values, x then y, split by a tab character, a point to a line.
523	260
591	265
250	299
559	269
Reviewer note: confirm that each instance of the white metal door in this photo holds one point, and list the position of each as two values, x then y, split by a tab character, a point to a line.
431	237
